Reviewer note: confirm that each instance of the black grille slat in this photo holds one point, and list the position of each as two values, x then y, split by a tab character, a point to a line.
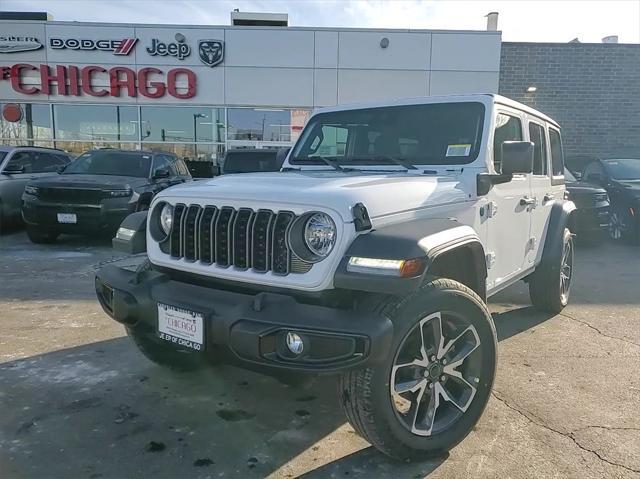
206	234
227	237
71	195
189	245
241	225
261	241
281	255
223	236
175	237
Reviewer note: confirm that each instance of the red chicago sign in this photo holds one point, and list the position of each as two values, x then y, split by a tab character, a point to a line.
71	80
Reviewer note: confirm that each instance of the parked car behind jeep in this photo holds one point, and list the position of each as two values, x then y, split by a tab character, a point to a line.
253	160
97	191
590	221
18	165
621	179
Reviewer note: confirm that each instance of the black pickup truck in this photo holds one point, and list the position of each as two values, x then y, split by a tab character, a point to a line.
95	192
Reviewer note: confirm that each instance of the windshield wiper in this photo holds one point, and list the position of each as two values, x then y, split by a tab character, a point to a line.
398	161
332	163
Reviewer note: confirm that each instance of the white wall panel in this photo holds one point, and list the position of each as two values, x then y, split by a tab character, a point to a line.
269	48
325	91
466	52
445	83
367	85
408	51
269	86
326	49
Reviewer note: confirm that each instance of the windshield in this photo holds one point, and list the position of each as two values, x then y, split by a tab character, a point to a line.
628	169
113	163
436	134
568	176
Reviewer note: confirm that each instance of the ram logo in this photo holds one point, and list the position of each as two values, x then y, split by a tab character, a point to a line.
211	52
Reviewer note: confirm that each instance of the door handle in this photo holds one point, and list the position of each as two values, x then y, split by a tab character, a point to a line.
526	200
549	197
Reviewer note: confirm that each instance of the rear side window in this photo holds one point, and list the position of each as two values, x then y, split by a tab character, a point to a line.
48	162
537	136
557	159
508	128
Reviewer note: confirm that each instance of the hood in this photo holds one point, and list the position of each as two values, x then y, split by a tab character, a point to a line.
584	187
383	194
630	186
89	181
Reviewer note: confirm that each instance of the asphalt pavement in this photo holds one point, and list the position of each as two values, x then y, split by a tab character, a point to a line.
77	400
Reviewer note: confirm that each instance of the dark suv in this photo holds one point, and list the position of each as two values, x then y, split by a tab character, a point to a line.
621	179
97	191
18	165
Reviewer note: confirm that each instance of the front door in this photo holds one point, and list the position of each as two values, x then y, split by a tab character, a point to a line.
509	210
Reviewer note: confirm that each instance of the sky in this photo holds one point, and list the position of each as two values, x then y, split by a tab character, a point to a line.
520	20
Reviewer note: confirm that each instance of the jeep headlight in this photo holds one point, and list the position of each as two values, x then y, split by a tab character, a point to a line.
320	234
166	218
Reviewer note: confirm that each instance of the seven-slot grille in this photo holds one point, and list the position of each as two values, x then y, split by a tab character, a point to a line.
242	238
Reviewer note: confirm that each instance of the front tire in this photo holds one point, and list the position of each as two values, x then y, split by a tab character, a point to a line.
40	236
435	383
550	286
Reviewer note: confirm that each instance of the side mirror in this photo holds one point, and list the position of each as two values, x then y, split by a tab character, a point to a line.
161	173
60	169
517	157
13	170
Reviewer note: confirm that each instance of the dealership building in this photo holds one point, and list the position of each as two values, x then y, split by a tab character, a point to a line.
200	90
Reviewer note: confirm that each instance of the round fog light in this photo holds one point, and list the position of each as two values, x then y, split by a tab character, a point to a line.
295	343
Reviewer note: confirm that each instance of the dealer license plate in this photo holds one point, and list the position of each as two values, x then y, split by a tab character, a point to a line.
67	218
181	326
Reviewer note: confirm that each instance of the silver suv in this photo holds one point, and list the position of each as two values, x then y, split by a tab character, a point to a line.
18	165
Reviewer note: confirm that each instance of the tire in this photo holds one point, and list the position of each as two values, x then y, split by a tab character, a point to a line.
40	236
372	404
550	286
164	355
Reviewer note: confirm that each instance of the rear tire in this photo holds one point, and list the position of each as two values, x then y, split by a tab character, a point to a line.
399	406
550	285
41	236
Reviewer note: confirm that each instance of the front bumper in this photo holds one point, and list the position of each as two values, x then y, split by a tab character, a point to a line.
100	217
250	328
591	219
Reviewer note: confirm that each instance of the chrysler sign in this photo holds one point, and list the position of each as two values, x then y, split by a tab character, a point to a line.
18	43
72	80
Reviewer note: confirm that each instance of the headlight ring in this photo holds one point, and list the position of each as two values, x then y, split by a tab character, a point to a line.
160	221
313	236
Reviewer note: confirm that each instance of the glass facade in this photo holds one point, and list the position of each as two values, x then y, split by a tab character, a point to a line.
199	135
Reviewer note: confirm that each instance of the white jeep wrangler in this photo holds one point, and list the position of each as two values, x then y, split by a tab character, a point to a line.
370	255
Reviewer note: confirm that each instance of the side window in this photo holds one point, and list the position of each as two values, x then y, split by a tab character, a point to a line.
182	167
508	128
537	136
22	160
48	162
173	166
161	162
593	170
557	160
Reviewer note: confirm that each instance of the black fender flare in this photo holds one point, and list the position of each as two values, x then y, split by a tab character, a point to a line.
131	237
561	212
424	238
